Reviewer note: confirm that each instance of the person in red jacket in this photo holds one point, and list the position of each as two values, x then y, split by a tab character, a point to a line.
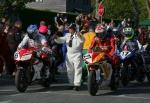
107	43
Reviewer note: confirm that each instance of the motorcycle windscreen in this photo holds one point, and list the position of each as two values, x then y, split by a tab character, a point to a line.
26	57
87	58
98	57
125	48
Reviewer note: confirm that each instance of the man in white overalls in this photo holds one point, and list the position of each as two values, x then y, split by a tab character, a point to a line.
74	41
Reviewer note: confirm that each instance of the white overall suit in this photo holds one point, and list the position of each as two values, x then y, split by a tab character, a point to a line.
73	57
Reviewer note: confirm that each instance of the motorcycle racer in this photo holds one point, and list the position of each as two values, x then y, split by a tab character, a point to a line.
106	41
33	38
131	43
106	46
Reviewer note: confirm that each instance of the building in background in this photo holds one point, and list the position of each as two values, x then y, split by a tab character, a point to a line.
62	5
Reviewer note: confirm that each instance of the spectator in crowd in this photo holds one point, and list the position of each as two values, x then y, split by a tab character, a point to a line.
129	22
2	27
124	23
78	23
89	36
112	23
93	21
59	20
42	23
57	48
14	36
5	52
65	19
64	48
142	35
3	23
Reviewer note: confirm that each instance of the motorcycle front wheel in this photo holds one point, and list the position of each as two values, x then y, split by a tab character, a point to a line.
21	80
114	81
124	77
92	84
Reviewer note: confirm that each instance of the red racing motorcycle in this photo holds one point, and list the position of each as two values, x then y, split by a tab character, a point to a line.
32	65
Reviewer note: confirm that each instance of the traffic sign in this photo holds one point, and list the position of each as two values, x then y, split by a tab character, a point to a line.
101	9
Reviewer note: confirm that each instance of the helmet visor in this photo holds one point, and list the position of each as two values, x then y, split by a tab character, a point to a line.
101	35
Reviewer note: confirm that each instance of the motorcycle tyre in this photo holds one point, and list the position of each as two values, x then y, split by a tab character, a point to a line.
148	76
21	83
114	82
92	84
124	78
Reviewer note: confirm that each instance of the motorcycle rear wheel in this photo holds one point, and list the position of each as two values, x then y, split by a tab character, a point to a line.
148	76
140	77
21	80
92	84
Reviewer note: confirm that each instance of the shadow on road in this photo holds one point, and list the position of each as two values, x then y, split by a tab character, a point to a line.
7	81
7	88
57	88
133	88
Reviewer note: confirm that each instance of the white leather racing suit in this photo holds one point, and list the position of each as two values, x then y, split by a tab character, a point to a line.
38	41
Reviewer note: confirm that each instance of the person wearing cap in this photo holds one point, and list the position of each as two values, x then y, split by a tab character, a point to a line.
74	42
89	36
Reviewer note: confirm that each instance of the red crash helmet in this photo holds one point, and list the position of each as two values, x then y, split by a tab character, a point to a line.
99	28
43	29
44	56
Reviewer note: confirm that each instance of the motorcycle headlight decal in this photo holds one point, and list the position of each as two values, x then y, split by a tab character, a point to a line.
88	57
16	56
26	57
125	54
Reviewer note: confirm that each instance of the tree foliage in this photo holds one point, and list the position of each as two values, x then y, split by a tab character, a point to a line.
12	5
117	9
11	9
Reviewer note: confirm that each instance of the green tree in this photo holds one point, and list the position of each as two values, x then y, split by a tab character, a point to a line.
148	7
11	8
117	9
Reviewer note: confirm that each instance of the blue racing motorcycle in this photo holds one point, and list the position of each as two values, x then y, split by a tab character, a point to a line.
129	68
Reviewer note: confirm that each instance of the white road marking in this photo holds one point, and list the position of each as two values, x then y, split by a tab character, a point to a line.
82	94
130	97
19	94
8	101
135	88
7	90
64	93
